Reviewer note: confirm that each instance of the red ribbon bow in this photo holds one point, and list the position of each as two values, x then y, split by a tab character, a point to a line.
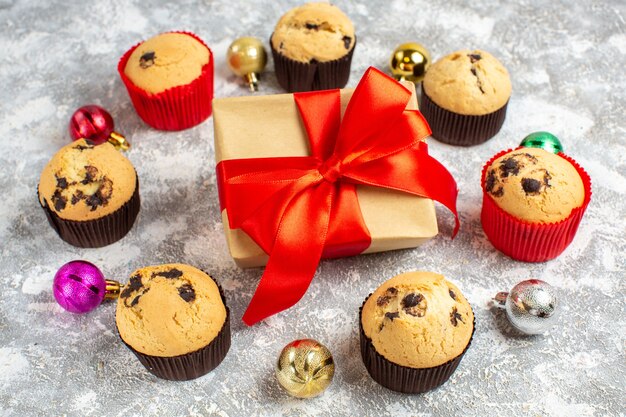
300	209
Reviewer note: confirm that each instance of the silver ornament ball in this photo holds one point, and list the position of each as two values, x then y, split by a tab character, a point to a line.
531	306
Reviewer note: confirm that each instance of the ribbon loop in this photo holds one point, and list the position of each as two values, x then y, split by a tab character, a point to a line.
300	209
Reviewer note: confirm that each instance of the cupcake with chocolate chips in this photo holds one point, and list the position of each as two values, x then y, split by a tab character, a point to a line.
312	46
174	319
414	330
465	97
533	202
90	194
170	80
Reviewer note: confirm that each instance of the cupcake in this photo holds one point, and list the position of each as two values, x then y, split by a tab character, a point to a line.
533	201
415	328
90	194
312	47
174	319
465	96
169	79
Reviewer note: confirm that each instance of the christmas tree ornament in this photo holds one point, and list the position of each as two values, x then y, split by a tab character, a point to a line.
543	140
409	62
79	287
96	124
247	58
305	368
531	306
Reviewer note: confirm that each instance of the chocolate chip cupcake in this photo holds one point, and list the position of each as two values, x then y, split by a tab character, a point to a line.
414	330
170	80
465	97
90	194
312	47
174	319
533	201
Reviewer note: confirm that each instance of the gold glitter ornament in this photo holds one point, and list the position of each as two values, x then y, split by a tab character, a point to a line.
305	368
247	58
409	62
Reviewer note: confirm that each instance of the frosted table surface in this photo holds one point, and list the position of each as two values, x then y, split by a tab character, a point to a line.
566	61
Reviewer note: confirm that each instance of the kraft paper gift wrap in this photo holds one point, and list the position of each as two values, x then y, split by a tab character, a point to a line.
270	126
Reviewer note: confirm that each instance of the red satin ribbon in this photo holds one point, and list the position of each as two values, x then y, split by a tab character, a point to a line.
300	209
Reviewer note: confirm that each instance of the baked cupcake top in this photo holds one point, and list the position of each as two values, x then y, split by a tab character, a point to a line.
83	181
169	310
418	320
468	83
165	61
534	185
314	31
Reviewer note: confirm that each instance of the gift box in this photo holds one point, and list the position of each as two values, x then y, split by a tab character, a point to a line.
270	126
323	174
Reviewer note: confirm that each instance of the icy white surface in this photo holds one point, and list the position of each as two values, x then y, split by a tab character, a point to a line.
566	61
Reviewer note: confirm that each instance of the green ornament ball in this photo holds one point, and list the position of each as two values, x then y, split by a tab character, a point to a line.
543	140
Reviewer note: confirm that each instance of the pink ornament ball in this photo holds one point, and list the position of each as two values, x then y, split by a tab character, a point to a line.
79	286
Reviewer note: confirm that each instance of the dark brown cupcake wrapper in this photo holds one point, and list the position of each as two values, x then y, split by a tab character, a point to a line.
96	233
402	378
295	76
458	129
194	364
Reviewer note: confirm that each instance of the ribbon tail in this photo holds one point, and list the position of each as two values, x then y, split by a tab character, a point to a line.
448	196
438	183
294	257
412	171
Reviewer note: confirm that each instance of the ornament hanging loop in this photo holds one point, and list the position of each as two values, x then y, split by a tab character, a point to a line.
119	141
500	298
252	81
113	289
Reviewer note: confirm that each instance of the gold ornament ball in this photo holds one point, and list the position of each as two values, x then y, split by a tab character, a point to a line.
247	58
305	368
409	62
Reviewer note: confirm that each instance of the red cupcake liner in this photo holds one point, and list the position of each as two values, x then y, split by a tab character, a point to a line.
295	76
458	129
176	108
530	242
96	233
190	365
403	378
